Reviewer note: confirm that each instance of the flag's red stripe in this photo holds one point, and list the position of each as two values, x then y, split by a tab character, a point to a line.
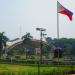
65	12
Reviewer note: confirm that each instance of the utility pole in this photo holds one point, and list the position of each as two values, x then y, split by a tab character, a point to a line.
41	46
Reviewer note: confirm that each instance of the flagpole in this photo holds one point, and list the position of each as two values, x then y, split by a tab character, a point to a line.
57	22
58	33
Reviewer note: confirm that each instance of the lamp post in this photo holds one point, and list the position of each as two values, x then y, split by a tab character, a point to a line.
41	45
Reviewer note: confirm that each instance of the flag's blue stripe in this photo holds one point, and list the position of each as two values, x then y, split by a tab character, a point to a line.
69	11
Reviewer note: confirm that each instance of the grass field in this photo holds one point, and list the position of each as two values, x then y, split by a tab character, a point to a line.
13	69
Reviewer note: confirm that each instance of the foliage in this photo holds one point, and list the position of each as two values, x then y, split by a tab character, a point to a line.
3	40
27	37
68	45
58	53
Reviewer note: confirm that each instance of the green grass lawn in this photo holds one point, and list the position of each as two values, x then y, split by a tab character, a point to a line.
13	69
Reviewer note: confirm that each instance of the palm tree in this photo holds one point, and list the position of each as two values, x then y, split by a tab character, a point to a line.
3	40
27	38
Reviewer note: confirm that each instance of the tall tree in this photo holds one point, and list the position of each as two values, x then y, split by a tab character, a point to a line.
27	38
3	40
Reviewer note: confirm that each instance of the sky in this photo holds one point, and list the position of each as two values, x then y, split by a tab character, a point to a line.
20	16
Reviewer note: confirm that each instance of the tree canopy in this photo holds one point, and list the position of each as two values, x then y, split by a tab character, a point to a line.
3	40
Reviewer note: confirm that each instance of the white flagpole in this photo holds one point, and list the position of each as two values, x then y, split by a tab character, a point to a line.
57	22
58	33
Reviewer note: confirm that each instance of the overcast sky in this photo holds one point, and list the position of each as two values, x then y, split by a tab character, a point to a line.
20	16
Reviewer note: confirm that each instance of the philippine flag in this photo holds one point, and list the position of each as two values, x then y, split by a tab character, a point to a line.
62	10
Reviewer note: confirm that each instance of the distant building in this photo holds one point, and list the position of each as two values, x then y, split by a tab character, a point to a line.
18	45
37	50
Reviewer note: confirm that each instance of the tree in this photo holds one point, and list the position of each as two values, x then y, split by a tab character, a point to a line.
3	40
27	38
58	53
50	42
49	46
